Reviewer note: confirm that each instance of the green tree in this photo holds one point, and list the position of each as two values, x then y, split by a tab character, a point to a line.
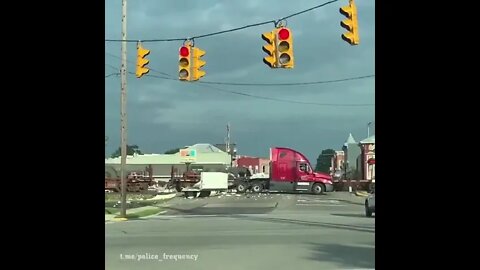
172	151
131	149
324	161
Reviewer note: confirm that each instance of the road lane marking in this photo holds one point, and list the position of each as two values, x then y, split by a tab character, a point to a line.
319	204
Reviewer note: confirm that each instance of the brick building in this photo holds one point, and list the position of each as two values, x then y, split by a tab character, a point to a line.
255	164
368	153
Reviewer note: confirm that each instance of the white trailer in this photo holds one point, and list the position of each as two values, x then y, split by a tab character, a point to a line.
209	181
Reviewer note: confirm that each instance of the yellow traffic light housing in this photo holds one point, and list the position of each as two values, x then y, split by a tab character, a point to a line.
279	48
350	23
190	62
285	48
270	48
184	63
198	63
142	61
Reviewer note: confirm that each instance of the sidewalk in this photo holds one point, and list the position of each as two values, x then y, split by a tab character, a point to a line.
111	217
347	197
158	198
161	197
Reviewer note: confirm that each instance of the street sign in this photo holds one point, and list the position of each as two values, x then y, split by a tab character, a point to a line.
188	155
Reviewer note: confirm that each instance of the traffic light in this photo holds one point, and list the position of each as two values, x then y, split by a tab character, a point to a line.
190	63
285	48
184	63
270	48
198	63
279	48
142	61
350	23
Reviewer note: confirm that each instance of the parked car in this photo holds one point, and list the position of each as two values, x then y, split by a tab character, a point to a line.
370	204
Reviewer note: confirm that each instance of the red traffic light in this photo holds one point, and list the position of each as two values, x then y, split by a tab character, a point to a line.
184	51
283	34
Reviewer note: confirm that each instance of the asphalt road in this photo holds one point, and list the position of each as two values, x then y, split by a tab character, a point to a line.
247	232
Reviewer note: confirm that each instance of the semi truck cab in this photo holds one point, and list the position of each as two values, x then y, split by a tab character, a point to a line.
291	171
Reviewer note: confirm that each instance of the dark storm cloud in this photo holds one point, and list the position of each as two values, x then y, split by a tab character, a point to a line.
167	113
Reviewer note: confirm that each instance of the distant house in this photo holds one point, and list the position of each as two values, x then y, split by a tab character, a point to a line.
359	157
368	154
338	161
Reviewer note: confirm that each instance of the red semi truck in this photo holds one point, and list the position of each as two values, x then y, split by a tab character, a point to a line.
290	171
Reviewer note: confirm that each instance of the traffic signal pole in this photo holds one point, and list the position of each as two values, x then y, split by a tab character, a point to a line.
123	113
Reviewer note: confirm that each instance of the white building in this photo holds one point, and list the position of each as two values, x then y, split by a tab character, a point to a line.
208	158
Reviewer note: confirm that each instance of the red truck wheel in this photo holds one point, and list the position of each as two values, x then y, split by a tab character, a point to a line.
318	188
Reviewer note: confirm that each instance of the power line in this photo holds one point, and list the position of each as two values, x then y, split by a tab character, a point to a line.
232	30
109	75
129	61
274	84
288	101
163	73
306	10
276	99
171	77
255	84
288	84
113	55
108	65
224	31
268	98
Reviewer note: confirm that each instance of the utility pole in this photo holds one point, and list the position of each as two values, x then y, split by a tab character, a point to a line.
228	139
106	141
229	150
123	113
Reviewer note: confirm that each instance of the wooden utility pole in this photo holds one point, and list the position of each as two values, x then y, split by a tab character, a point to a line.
123	113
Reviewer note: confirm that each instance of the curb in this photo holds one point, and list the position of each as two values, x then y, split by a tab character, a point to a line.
166	197
159	213
361	194
144	217
119	219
